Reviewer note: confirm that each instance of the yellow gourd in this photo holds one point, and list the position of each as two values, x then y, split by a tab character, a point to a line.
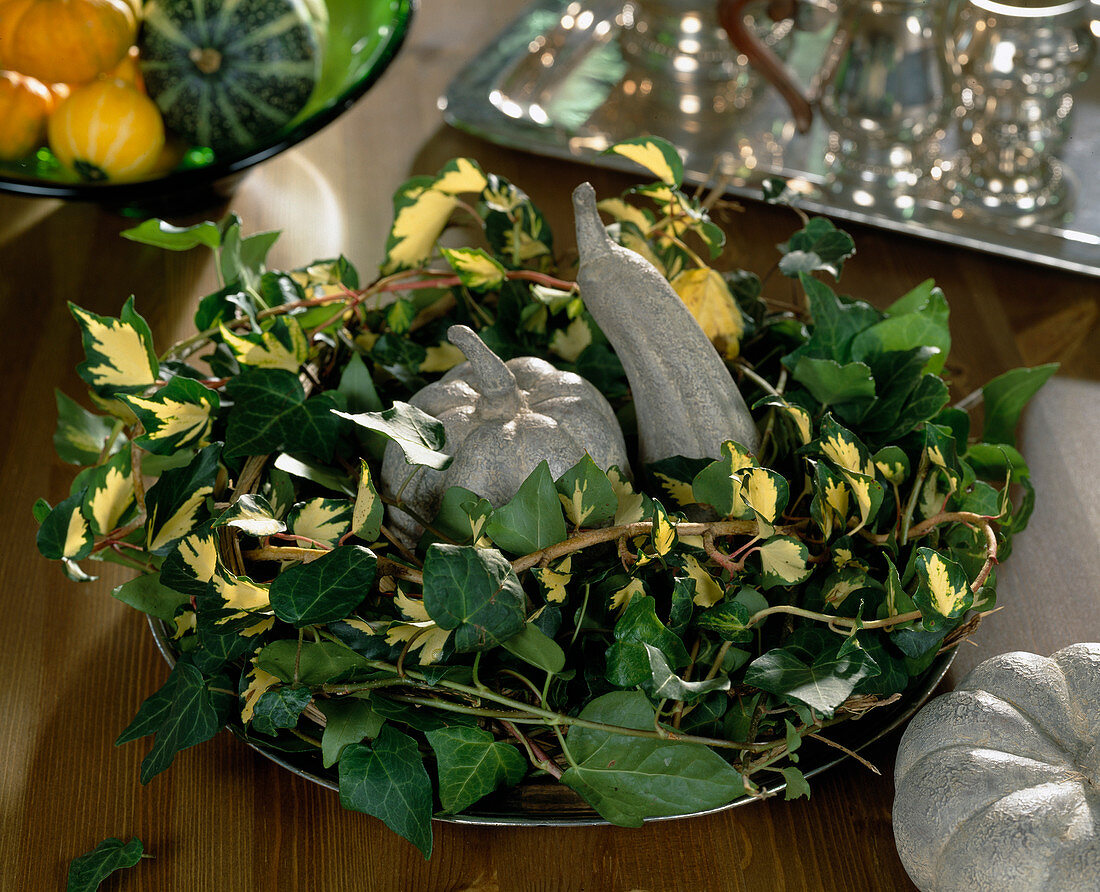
70	41
25	104
107	130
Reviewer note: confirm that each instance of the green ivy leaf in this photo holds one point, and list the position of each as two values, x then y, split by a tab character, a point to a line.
532	519
87	871
837	321
534	646
279	708
664	684
271	413
161	234
471	764
80	435
628	779
149	595
347	721
795	781
819	245
325	589
176	503
65	533
821	681
314	663
420	435
639	625
387	779
181	714
475	592
849	387
462	515
917	320
729	620
1005	398
119	355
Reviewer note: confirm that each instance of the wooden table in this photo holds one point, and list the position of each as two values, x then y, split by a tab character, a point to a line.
76	664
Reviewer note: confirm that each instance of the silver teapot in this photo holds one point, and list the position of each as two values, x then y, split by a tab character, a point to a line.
883	87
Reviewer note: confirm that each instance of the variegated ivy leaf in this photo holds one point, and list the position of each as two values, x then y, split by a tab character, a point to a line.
110	492
631	504
422	206
939	446
766	492
177	501
943	592
796	417
841	584
119	356
830	505
178	415
867	493
708	591
784	561
705	293
719	483
281	345
897	600
65	534
190	568
462	515
321	520
571	341
844	448
366	515
554	579
656	155
622	596
251	514
623	212
476	269
663	535
587	495
893	464
249	598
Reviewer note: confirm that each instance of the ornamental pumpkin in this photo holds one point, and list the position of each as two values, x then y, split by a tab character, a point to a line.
25	104
229	75
65	41
684	396
998	782
107	130
501	420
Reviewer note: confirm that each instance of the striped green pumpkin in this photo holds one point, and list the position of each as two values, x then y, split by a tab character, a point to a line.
227	74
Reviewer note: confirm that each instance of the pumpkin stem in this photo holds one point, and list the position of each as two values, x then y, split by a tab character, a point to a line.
592	238
492	378
206	59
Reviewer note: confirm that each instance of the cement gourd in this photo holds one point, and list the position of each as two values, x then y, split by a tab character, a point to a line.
685	399
501	420
998	782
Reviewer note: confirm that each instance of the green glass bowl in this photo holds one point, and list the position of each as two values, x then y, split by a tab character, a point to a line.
363	38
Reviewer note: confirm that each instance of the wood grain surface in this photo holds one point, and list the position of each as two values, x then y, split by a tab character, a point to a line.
75	664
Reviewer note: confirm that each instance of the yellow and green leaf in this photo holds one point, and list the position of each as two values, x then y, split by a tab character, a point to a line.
64	533
322	520
623	596
705	293
119	355
708	590
281	345
554	579
177	501
476	269
366	515
719	483
656	155
178	415
784	561
663	535
943	592
110	493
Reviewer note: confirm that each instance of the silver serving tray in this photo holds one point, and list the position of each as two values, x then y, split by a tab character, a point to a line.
582	109
543	802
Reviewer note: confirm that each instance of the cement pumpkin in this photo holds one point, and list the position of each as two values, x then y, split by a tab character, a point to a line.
501	420
998	781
